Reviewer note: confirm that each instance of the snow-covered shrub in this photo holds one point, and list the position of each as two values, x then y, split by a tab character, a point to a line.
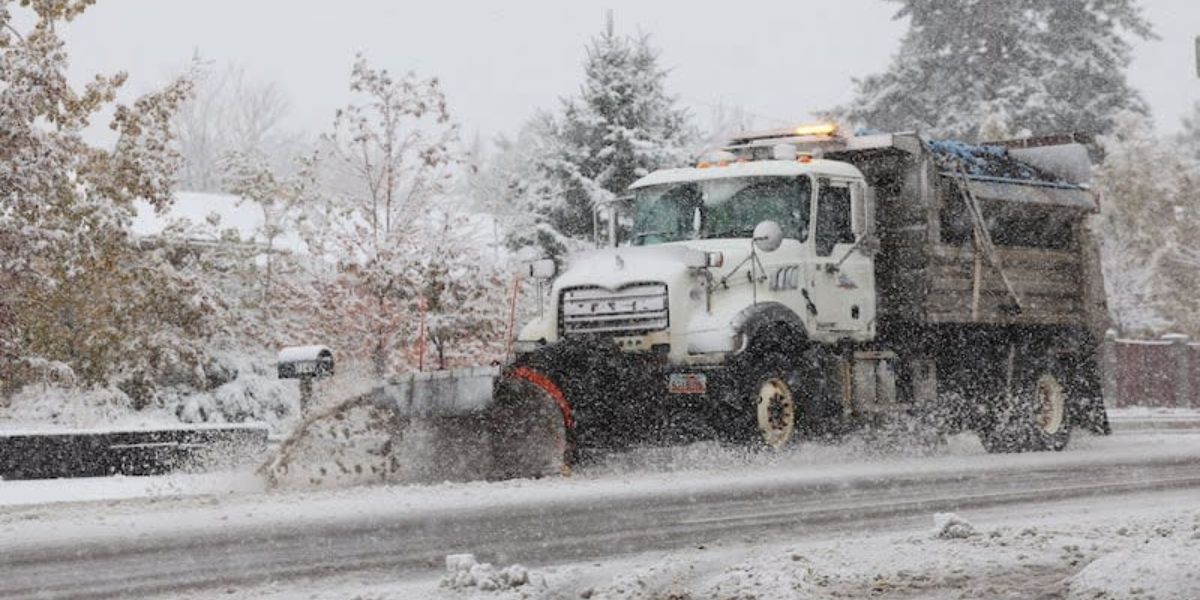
1146	230
247	390
40	405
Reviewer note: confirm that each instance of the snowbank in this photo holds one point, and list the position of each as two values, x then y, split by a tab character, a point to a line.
1163	569
93	489
47	407
253	394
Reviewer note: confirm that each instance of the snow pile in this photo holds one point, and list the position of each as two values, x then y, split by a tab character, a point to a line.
763	576
48	407
949	526
785	576
252	392
464	572
1162	569
244	390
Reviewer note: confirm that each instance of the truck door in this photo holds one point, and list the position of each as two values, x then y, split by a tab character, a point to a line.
841	276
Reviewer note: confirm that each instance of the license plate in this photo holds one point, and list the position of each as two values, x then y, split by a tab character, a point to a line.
687	383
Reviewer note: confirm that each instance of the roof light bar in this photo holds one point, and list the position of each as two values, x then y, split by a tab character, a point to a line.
817	129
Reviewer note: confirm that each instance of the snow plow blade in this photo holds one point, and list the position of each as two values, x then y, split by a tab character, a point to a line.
465	424
453	393
514	419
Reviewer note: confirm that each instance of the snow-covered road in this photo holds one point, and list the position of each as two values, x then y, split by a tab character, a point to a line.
168	543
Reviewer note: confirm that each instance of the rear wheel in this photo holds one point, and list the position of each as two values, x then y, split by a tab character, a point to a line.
1037	414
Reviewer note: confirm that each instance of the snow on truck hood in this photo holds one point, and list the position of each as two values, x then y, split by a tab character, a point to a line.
614	267
758	168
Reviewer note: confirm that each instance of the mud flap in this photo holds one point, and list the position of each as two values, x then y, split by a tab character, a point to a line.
1089	412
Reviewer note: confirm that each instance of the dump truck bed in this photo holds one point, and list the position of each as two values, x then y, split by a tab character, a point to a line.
1036	265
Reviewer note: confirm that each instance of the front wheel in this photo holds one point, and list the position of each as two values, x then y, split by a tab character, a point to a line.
765	401
775	409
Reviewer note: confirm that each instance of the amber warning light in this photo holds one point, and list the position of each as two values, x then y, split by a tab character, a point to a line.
816	129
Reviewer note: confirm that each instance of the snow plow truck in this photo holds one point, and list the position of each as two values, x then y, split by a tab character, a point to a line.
800	284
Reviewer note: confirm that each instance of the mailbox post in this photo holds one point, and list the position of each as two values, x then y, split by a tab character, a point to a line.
305	363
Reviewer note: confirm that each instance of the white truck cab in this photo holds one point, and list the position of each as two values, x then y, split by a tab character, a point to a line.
711	248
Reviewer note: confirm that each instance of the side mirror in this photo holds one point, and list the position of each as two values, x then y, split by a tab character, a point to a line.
541	269
768	236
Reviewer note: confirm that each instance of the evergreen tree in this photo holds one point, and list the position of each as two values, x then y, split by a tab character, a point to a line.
1036	66
512	186
622	126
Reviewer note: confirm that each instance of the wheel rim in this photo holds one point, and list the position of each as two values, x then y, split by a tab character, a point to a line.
1049	404
776	412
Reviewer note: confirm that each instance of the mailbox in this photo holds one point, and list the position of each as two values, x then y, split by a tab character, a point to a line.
305	362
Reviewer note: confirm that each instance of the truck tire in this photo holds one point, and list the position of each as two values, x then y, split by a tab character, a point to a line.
774	398
1037	417
775	388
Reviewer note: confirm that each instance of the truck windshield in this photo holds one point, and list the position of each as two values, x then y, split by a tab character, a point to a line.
721	208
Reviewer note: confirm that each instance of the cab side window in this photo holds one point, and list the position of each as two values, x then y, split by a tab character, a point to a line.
834	225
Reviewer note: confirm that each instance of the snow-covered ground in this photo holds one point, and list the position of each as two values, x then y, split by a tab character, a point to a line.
1143	546
1014	549
97	489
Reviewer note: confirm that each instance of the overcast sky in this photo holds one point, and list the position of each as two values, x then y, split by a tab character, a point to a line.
499	61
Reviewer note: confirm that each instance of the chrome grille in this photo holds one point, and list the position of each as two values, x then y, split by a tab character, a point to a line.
635	308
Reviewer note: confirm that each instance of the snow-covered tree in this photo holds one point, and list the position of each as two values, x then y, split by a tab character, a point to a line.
1145	228
231	113
1040	66
464	292
390	159
79	292
280	200
622	126
1189	137
510	184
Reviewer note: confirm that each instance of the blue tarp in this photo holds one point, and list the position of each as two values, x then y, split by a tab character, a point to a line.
993	162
